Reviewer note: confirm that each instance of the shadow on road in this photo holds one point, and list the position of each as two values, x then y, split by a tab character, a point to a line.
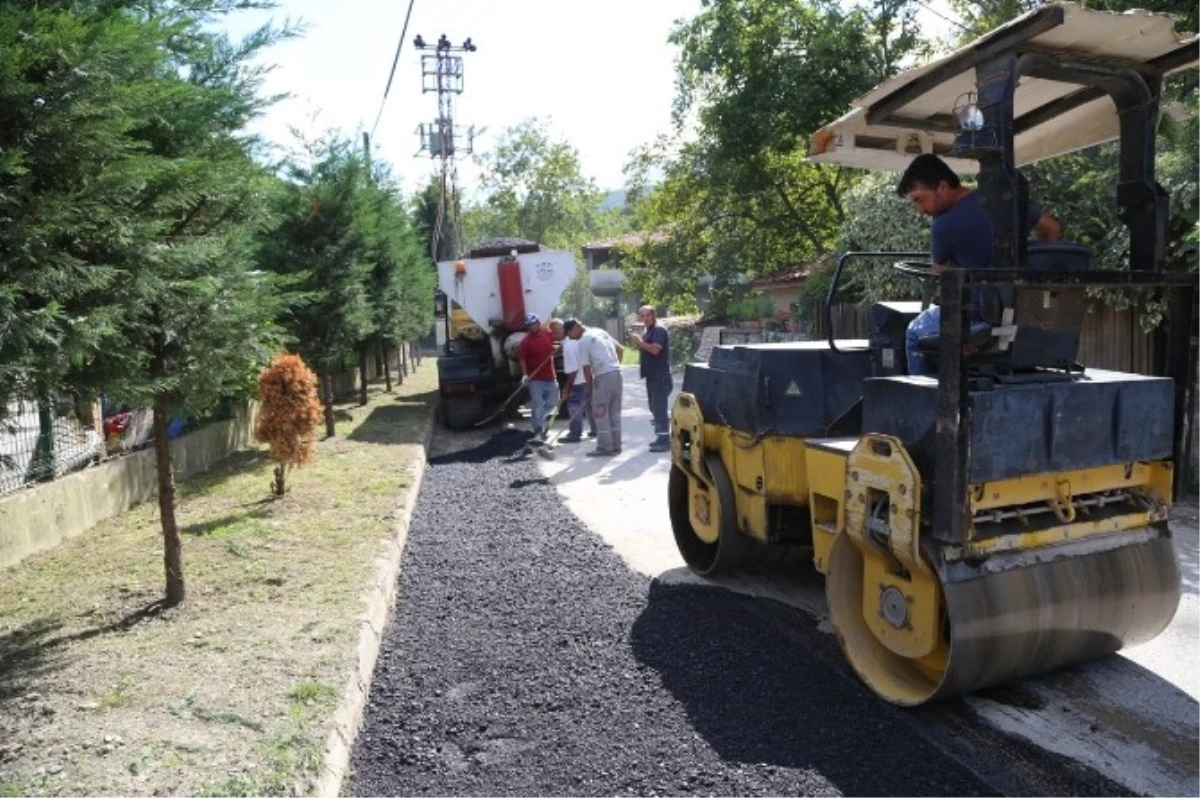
761	684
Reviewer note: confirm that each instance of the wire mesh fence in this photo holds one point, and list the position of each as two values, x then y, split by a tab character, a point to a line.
44	441
39	442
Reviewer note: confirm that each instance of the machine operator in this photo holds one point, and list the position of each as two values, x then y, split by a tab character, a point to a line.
960	237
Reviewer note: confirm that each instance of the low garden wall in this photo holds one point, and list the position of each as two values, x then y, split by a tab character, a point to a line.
41	517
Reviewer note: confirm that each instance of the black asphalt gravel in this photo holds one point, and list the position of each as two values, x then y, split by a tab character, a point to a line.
525	658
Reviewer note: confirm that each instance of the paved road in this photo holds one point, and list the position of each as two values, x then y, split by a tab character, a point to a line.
1132	717
547	640
525	657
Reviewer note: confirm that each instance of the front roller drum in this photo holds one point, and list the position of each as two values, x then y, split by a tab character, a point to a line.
1040	612
704	519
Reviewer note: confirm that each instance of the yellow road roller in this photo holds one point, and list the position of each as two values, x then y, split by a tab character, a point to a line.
1009	515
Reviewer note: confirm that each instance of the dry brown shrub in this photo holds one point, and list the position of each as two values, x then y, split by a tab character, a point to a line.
289	415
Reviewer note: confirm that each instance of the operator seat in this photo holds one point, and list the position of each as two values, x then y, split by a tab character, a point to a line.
1027	326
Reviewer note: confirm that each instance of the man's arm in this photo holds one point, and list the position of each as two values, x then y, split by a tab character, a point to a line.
522	359
644	345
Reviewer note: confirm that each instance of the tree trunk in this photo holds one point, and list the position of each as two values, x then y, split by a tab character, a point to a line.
277	485
387	368
362	375
172	547
404	357
327	398
380	356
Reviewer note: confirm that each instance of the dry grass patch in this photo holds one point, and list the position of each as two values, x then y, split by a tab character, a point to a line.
233	692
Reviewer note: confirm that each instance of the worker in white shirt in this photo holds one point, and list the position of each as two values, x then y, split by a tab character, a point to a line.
600	360
575	390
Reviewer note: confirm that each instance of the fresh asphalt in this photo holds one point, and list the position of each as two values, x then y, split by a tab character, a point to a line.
526	657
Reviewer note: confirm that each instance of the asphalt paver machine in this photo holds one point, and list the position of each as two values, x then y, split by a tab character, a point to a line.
1008	516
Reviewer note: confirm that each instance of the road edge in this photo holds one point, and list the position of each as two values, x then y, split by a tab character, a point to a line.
348	718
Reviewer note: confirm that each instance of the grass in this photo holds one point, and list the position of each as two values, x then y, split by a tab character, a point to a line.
233	692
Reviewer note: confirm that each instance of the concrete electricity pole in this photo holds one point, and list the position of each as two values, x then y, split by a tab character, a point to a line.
443	72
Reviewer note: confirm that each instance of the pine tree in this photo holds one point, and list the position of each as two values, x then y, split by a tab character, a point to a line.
129	205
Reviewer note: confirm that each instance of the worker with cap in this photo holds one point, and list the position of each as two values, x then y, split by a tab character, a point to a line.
535	353
600	358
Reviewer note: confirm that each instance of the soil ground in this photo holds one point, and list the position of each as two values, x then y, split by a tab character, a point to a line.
103	692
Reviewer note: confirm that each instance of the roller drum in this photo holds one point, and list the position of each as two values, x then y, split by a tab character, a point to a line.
1033	619
1012	615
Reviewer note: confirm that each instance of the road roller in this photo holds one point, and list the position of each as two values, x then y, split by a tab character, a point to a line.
1009	515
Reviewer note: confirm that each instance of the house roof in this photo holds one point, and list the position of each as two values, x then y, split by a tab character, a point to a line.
631	240
789	275
785	276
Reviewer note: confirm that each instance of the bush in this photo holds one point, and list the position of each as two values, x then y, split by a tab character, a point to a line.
289	414
685	341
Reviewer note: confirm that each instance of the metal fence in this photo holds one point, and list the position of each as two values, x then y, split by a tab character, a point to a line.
36	445
43	442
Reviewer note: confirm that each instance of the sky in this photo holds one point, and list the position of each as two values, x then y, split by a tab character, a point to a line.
599	75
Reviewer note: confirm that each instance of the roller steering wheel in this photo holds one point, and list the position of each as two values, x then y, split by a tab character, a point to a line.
921	270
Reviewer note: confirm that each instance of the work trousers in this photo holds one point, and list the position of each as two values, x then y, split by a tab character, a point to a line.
542	396
606	407
658	390
579	407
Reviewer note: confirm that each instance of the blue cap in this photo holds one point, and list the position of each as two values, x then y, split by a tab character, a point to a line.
532	318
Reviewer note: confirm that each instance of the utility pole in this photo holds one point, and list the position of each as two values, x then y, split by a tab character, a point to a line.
443	72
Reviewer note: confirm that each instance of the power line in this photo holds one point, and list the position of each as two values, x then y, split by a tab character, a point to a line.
396	60
945	18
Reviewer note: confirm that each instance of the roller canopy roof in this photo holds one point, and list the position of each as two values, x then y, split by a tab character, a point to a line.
913	112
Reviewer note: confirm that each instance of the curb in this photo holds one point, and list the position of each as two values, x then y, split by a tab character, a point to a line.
347	719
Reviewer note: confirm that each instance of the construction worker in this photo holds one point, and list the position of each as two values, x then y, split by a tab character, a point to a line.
960	237
535	353
600	358
575	389
654	358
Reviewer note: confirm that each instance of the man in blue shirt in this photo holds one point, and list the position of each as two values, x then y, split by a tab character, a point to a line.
960	237
654	358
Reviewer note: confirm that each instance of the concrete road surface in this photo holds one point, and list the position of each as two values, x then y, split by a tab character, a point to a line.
1131	716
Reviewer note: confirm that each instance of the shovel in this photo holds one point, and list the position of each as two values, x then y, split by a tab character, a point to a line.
504	405
546	450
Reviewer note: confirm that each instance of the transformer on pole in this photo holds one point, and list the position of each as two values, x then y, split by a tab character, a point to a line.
442	71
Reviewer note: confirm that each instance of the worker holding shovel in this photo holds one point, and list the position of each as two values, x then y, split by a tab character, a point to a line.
600	360
536	356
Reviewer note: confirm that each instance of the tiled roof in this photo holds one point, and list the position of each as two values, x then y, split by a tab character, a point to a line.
795	273
632	240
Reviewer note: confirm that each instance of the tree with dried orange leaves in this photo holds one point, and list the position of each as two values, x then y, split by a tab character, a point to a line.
289	415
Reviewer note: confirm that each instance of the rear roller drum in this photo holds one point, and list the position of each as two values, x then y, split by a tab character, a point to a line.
704	520
1028	613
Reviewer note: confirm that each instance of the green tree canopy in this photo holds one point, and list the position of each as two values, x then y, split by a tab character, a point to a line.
128	207
757	78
